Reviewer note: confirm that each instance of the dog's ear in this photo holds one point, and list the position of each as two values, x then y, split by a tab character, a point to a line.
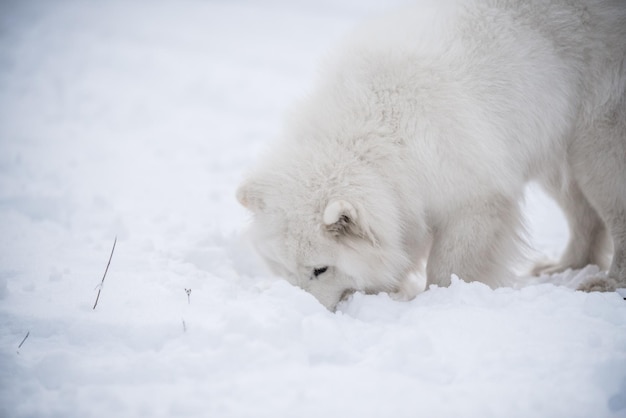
341	219
251	196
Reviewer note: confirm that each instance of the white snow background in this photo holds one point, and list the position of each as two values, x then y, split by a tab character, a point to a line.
137	120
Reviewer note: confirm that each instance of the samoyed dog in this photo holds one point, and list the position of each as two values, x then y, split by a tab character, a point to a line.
417	142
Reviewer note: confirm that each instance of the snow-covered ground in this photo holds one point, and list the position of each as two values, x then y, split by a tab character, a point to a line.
137	120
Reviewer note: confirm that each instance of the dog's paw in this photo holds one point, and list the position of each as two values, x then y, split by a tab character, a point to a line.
599	284
407	289
545	268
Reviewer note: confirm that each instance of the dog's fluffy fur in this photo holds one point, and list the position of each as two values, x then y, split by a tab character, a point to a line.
422	133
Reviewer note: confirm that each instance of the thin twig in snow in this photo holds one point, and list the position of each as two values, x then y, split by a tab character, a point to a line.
22	343
105	274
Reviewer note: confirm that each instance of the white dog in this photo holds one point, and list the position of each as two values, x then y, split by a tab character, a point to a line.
420	137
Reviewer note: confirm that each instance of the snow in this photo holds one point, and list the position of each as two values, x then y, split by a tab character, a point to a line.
137	120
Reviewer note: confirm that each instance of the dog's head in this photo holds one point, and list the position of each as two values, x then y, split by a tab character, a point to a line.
328	245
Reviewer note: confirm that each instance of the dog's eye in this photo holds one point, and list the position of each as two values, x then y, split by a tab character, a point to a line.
318	271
